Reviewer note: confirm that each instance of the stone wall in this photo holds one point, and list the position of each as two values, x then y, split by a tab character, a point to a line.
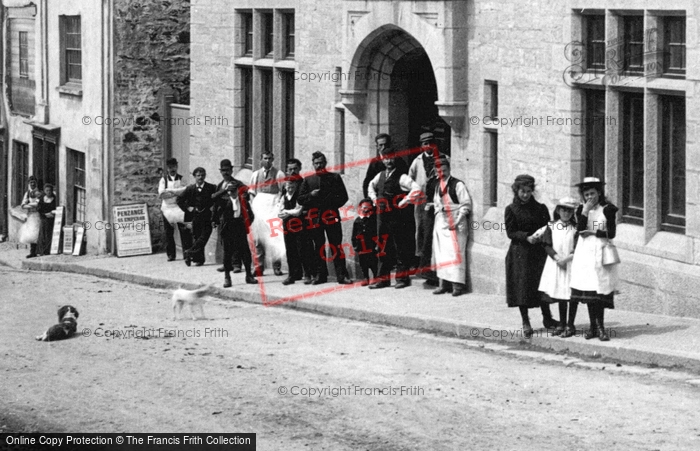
152	56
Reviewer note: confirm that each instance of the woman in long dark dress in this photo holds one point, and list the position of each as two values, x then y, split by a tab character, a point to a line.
525	259
46	207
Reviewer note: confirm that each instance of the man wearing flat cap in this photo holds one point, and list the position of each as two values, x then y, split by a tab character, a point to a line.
421	171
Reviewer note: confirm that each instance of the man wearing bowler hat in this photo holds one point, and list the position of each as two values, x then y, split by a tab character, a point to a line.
169	188
226	170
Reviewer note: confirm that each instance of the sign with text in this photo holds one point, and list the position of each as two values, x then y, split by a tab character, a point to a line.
57	226
131	229
79	237
68	240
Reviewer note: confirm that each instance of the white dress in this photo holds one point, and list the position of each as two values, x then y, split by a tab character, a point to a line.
556	281
450	255
587	270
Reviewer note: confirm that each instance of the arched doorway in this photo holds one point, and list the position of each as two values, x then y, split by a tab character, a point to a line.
413	90
394	71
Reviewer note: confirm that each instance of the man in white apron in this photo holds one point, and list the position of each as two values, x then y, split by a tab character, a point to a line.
171	186
265	187
451	204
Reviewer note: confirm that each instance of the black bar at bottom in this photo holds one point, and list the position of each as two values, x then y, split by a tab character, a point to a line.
118	441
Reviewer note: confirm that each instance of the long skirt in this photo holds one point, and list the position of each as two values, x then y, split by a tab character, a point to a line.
43	245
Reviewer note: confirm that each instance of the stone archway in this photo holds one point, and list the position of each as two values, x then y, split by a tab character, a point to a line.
392	87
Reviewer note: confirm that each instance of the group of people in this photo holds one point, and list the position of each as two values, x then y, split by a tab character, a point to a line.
561	262
411	219
37	230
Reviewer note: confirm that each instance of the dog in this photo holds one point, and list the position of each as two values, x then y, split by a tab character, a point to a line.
68	323
190	297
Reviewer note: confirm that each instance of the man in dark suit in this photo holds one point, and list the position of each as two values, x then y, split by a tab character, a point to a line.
382	142
322	194
233	215
226	169
197	202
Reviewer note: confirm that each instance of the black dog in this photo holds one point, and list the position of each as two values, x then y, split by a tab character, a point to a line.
68	323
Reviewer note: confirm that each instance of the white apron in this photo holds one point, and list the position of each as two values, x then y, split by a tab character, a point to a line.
449	256
29	232
587	270
555	281
171	211
265	207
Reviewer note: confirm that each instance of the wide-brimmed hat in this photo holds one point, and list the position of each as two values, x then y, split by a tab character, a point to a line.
568	202
590	181
426	137
225	164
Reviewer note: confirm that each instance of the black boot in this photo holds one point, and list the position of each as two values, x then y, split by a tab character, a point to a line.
562	314
227	279
592	317
602	333
547	320
570	327
527	329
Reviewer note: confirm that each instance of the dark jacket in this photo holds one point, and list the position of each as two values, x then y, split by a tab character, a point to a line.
332	194
367	229
200	201
223	209
609	211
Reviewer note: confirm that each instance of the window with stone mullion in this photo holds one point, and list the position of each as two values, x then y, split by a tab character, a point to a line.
674	55
595	42
634	43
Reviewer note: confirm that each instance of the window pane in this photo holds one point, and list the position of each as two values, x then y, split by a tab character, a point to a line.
633	156
247	75
673	163
594	123
674	57
266	76
634	40
595	55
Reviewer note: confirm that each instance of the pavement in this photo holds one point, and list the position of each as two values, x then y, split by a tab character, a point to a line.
636	338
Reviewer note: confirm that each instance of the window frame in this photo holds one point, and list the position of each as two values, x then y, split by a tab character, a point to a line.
668	44
20	169
591	43
672	221
68	48
631	137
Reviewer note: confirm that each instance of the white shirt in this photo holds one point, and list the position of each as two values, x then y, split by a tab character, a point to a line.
406	183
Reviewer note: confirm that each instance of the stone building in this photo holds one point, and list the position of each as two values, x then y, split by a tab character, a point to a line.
85	105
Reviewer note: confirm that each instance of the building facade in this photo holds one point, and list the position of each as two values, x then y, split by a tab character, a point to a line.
85	105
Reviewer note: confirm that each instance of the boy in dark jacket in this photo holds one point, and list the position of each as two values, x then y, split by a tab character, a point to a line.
364	234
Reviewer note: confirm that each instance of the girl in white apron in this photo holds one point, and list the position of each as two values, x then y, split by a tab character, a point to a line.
558	239
592	282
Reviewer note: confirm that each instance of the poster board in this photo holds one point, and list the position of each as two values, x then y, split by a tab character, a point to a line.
68	240
57	228
131	229
79	237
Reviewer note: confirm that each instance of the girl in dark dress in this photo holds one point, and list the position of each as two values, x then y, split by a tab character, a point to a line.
525	259
593	283
46	207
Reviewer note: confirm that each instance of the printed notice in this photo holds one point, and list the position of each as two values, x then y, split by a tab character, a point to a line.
132	230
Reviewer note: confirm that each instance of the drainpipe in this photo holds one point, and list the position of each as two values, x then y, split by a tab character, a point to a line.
107	111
